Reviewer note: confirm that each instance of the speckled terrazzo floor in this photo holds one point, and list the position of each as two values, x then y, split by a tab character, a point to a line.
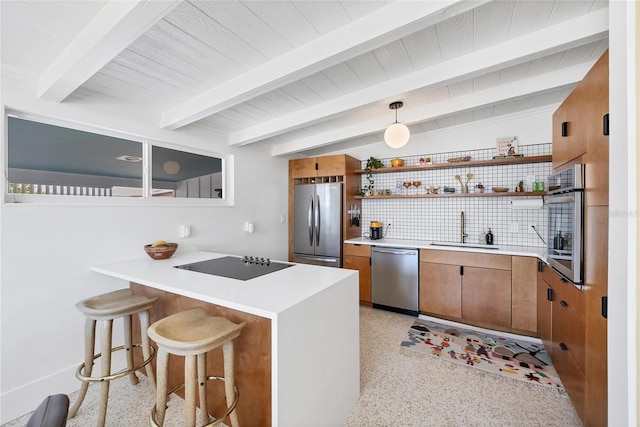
398	388
405	388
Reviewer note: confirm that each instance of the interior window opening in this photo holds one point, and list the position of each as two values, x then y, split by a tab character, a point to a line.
45	159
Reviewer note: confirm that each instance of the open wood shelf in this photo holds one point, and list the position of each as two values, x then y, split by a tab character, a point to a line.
490	162
426	196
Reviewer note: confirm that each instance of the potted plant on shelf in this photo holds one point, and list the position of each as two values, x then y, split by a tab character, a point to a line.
372	163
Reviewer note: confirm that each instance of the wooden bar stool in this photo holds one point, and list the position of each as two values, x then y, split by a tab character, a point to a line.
107	307
192	333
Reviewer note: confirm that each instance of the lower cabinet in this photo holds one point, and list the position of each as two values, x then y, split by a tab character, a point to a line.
562	307
479	288
358	257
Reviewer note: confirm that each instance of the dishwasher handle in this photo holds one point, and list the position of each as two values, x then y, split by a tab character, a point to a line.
395	251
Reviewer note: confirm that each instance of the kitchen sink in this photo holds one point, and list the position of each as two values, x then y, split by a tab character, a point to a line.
464	245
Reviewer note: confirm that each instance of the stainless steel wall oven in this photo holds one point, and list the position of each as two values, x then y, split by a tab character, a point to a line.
565	204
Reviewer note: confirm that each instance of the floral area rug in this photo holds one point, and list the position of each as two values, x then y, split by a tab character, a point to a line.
501	354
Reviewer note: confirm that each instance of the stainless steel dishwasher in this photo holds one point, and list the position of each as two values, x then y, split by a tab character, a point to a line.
394	279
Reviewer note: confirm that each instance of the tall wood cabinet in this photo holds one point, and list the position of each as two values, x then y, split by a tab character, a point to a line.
585	112
338	168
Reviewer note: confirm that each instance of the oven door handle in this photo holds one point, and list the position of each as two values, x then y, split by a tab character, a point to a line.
560	199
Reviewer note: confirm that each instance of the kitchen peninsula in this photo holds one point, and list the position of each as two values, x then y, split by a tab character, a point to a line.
298	358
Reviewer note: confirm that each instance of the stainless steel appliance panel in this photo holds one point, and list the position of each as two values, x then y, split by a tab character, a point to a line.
303	219
328	224
317	224
565	209
394	279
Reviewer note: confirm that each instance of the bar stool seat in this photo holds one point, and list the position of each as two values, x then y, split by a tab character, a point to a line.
193	333
123	304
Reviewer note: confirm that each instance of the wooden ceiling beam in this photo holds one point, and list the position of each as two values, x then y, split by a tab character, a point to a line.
114	28
566	35
376	29
531	85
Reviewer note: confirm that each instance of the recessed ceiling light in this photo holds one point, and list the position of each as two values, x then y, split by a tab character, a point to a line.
171	167
133	159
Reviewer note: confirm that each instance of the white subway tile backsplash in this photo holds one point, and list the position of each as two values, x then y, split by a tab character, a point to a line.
439	218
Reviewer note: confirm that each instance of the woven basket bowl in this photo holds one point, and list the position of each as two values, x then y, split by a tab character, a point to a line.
161	252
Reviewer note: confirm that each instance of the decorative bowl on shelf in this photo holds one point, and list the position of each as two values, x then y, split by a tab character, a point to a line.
396	163
499	189
459	159
161	251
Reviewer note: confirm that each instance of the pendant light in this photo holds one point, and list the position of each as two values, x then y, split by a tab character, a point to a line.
397	135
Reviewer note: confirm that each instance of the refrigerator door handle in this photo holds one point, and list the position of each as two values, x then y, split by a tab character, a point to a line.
310	220
318	221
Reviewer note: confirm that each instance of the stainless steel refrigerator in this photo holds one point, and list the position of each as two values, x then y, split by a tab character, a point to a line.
317	224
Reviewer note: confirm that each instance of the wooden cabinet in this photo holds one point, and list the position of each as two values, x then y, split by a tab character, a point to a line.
440	289
479	289
596	289
319	166
596	160
561	322
358	257
523	293
543	308
588	104
579	119
486	295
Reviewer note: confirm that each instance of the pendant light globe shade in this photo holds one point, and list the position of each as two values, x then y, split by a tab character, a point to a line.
397	135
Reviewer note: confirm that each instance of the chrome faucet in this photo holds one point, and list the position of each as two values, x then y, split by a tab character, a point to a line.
462	233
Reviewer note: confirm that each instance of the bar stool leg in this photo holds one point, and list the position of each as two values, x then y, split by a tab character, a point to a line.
190	378
144	340
162	362
202	388
106	369
128	343
89	347
229	382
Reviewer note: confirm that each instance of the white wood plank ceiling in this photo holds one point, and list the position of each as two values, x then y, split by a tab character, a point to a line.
305	77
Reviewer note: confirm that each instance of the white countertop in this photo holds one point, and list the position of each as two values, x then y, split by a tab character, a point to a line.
265	296
540	253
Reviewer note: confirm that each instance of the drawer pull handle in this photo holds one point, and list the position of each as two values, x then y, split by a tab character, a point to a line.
549	294
563	346
564	129
564	304
462	270
563	280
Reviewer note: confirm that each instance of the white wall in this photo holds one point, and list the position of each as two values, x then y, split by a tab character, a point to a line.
47	251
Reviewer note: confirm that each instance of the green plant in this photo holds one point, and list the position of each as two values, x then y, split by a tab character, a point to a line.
372	163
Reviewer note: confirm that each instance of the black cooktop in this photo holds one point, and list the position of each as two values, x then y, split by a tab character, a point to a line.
244	268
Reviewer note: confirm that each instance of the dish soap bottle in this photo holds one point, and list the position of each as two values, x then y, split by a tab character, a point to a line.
489	238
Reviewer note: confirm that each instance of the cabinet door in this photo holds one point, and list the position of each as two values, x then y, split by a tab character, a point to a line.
331	165
595	276
574	104
524	293
544	313
302	168
486	296
363	265
440	289
597	160
559	147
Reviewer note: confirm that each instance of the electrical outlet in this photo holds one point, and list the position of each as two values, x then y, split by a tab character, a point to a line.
514	227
